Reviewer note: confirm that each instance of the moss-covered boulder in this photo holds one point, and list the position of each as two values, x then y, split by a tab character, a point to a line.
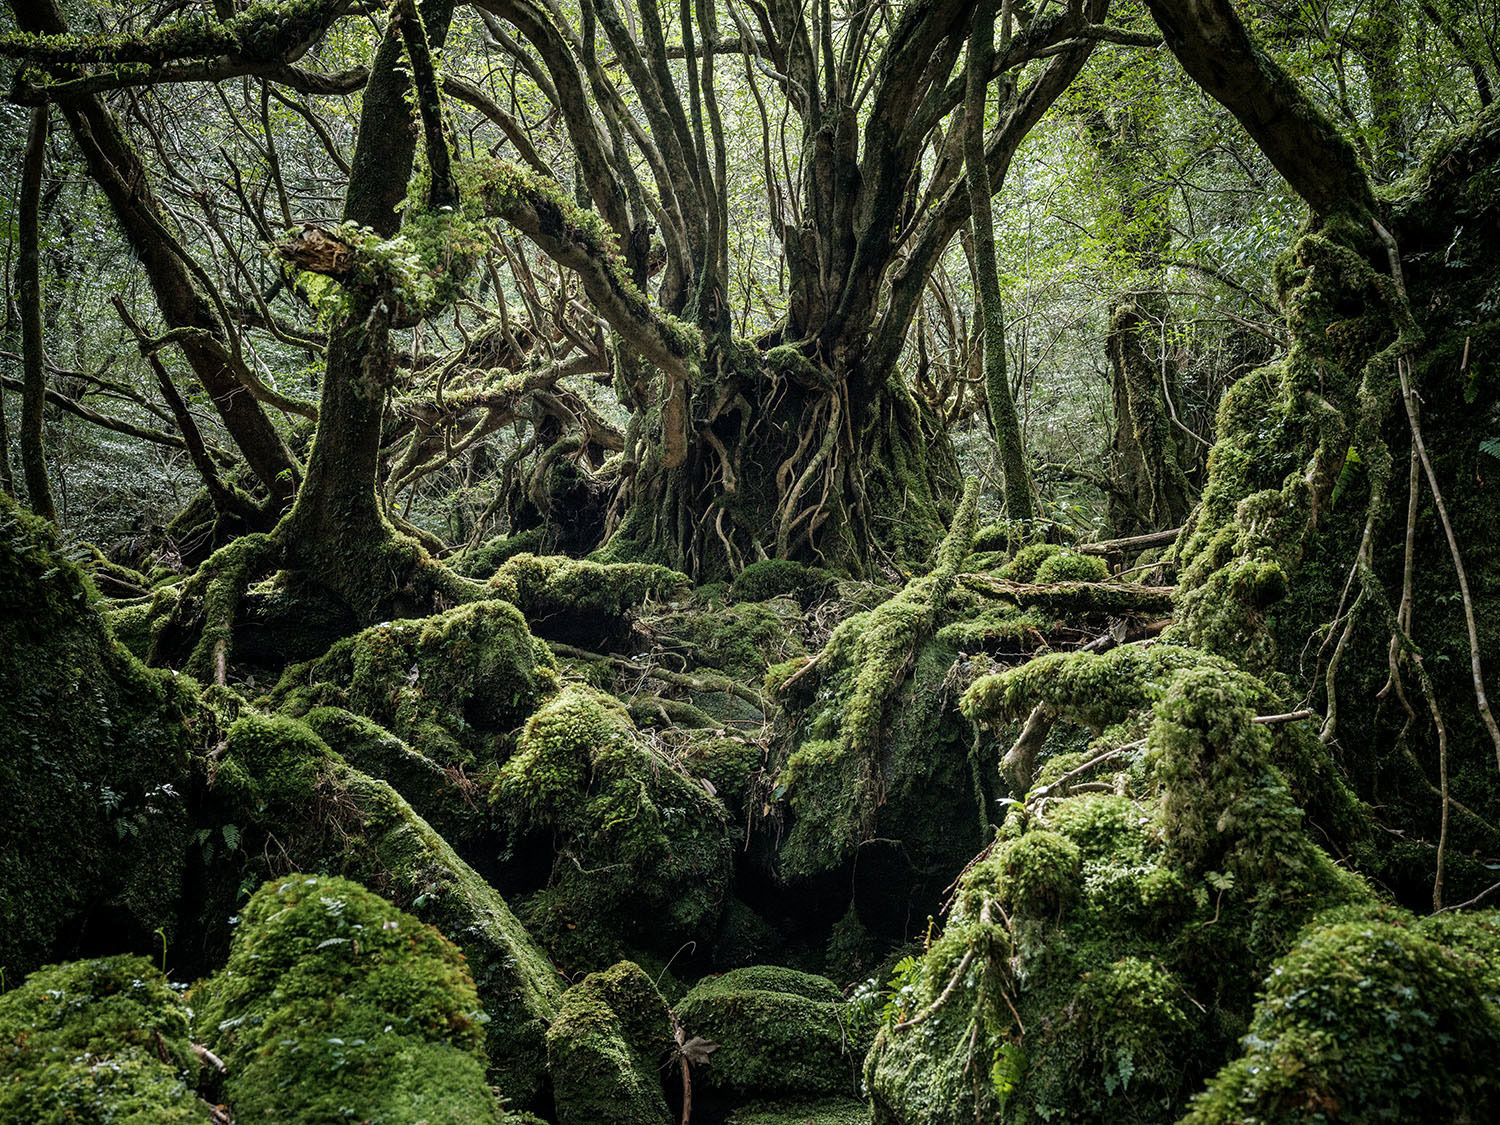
101	1042
94	761
775	578
779	1031
337	1006
1100	958
820	1111
608	1049
578	601
452	686
1070	566
301	807
1366	1019
642	854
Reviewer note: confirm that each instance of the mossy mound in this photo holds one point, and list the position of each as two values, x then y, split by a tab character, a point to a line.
775	578
301	807
337	1006
1099	960
95	1043
1023	567
579	601
483	561
642	850
1365	1020
452	686
822	1111
874	760
608	1048
1069	566
779	1032
95	761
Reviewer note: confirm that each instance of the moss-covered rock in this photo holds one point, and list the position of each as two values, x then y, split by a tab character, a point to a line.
301	807
1028	561
874	760
1100	956
779	1032
95	760
607	1049
97	1042
1364	1020
579	601
642	850
337	1006
774	578
452	686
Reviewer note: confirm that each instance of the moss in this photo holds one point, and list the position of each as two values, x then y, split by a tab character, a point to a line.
335	1005
300	806
484	561
608	1048
453	686
1068	566
1101	955
774	578
1038	872
578	600
1363	1021
445	797
642	852
779	1032
95	1042
95	758
1028	561
822	1111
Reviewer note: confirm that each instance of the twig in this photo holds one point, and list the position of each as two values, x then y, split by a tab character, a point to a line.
1289	717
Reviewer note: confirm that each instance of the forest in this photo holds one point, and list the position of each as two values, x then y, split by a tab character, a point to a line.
753	562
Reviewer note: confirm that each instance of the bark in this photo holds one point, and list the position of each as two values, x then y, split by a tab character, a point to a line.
29	287
336	528
1000	404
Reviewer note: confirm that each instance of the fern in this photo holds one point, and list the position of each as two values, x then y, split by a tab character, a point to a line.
1491	446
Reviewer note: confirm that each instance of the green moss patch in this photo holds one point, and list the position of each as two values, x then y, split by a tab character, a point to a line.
94	1043
337	1006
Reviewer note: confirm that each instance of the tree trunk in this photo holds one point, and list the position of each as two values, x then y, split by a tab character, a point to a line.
337	529
1001	405
29	287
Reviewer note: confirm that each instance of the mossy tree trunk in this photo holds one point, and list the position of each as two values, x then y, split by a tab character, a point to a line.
29	292
1000	404
1149	489
337	530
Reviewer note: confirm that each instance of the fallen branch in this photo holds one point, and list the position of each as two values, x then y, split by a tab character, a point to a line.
1131	543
